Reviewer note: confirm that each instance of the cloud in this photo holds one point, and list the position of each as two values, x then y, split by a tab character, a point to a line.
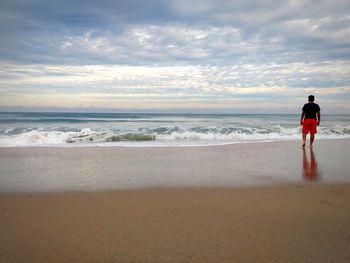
108	85
167	32
167	51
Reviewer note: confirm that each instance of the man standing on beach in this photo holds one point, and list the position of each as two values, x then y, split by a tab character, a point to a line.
310	119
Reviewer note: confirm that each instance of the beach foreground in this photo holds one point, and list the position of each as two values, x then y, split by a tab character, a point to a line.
264	202
305	223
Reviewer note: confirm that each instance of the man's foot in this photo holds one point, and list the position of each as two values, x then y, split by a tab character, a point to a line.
303	145
310	145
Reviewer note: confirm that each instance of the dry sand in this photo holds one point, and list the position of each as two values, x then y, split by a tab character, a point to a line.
274	224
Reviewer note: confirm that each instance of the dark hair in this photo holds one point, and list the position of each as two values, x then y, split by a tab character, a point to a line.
311	98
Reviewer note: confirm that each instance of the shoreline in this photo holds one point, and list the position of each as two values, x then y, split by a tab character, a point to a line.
58	169
145	144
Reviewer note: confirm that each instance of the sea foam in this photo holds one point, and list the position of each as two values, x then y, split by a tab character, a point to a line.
89	137
86	129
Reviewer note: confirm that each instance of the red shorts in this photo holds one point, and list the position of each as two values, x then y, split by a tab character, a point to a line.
310	125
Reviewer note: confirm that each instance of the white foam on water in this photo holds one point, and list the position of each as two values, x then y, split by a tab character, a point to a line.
171	137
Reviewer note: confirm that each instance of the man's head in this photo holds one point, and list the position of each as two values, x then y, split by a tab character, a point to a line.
311	98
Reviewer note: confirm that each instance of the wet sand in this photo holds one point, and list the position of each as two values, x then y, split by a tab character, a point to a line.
270	202
110	168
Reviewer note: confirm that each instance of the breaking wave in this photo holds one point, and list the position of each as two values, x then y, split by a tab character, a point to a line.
166	135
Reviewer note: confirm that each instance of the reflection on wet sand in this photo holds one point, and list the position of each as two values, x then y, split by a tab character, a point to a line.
310	169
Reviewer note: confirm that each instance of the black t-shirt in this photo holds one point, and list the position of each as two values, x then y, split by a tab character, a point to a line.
310	109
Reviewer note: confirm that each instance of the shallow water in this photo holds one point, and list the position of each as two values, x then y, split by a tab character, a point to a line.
126	129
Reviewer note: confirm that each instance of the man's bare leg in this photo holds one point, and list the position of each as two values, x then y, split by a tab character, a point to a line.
312	138
304	139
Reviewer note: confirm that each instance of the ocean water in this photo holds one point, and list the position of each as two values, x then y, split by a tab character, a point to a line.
130	129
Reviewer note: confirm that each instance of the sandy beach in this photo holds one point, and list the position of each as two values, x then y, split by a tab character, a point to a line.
173	131
267	202
283	224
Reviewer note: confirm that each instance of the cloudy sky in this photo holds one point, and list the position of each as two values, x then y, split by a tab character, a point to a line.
173	56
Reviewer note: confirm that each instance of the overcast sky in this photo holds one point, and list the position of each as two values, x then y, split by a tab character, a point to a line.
171	56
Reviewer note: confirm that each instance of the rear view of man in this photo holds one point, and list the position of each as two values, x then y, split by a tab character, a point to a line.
310	119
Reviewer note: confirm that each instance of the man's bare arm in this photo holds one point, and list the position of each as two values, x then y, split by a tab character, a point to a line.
302	118
318	117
